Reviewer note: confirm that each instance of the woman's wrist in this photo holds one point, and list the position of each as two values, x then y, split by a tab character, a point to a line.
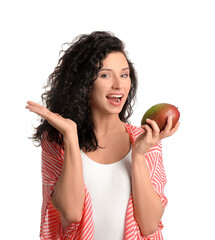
138	153
138	158
70	138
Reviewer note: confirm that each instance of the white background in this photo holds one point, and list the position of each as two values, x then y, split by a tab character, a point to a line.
171	43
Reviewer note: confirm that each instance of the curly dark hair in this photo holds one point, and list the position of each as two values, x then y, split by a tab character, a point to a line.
69	87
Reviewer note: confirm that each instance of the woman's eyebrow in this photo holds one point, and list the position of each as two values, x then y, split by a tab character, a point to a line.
105	69
108	69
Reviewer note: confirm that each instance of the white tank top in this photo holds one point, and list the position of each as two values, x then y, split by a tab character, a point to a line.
109	186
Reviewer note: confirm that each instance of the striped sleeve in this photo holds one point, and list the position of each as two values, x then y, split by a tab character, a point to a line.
158	177
52	163
157	173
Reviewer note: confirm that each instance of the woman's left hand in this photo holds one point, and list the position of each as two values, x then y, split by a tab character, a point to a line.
152	135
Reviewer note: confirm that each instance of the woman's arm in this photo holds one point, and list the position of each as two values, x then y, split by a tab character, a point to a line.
69	193
148	209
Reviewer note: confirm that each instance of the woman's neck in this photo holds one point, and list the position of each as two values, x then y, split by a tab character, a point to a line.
108	125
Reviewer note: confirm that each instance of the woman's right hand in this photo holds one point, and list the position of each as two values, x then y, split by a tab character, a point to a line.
64	125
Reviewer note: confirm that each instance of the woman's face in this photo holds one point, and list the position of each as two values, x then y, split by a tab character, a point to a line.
111	88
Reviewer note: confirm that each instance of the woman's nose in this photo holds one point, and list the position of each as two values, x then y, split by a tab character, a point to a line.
117	82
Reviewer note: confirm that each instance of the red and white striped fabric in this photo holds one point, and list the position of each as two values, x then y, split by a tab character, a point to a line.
51	226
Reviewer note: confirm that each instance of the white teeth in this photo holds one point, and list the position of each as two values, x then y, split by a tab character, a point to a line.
118	96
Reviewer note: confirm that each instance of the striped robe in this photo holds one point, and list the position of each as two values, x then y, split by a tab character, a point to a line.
51	226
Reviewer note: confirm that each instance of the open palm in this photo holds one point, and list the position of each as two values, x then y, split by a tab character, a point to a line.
63	125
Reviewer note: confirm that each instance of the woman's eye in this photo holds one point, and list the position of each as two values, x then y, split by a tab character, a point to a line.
124	75
105	75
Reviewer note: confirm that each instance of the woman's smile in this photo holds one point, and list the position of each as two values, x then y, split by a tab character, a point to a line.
115	99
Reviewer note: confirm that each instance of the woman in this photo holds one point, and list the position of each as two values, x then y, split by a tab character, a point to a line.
102	177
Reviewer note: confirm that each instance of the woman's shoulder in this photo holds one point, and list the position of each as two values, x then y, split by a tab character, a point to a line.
133	127
135	131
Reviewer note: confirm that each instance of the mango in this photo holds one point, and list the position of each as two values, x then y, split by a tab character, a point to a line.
159	113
